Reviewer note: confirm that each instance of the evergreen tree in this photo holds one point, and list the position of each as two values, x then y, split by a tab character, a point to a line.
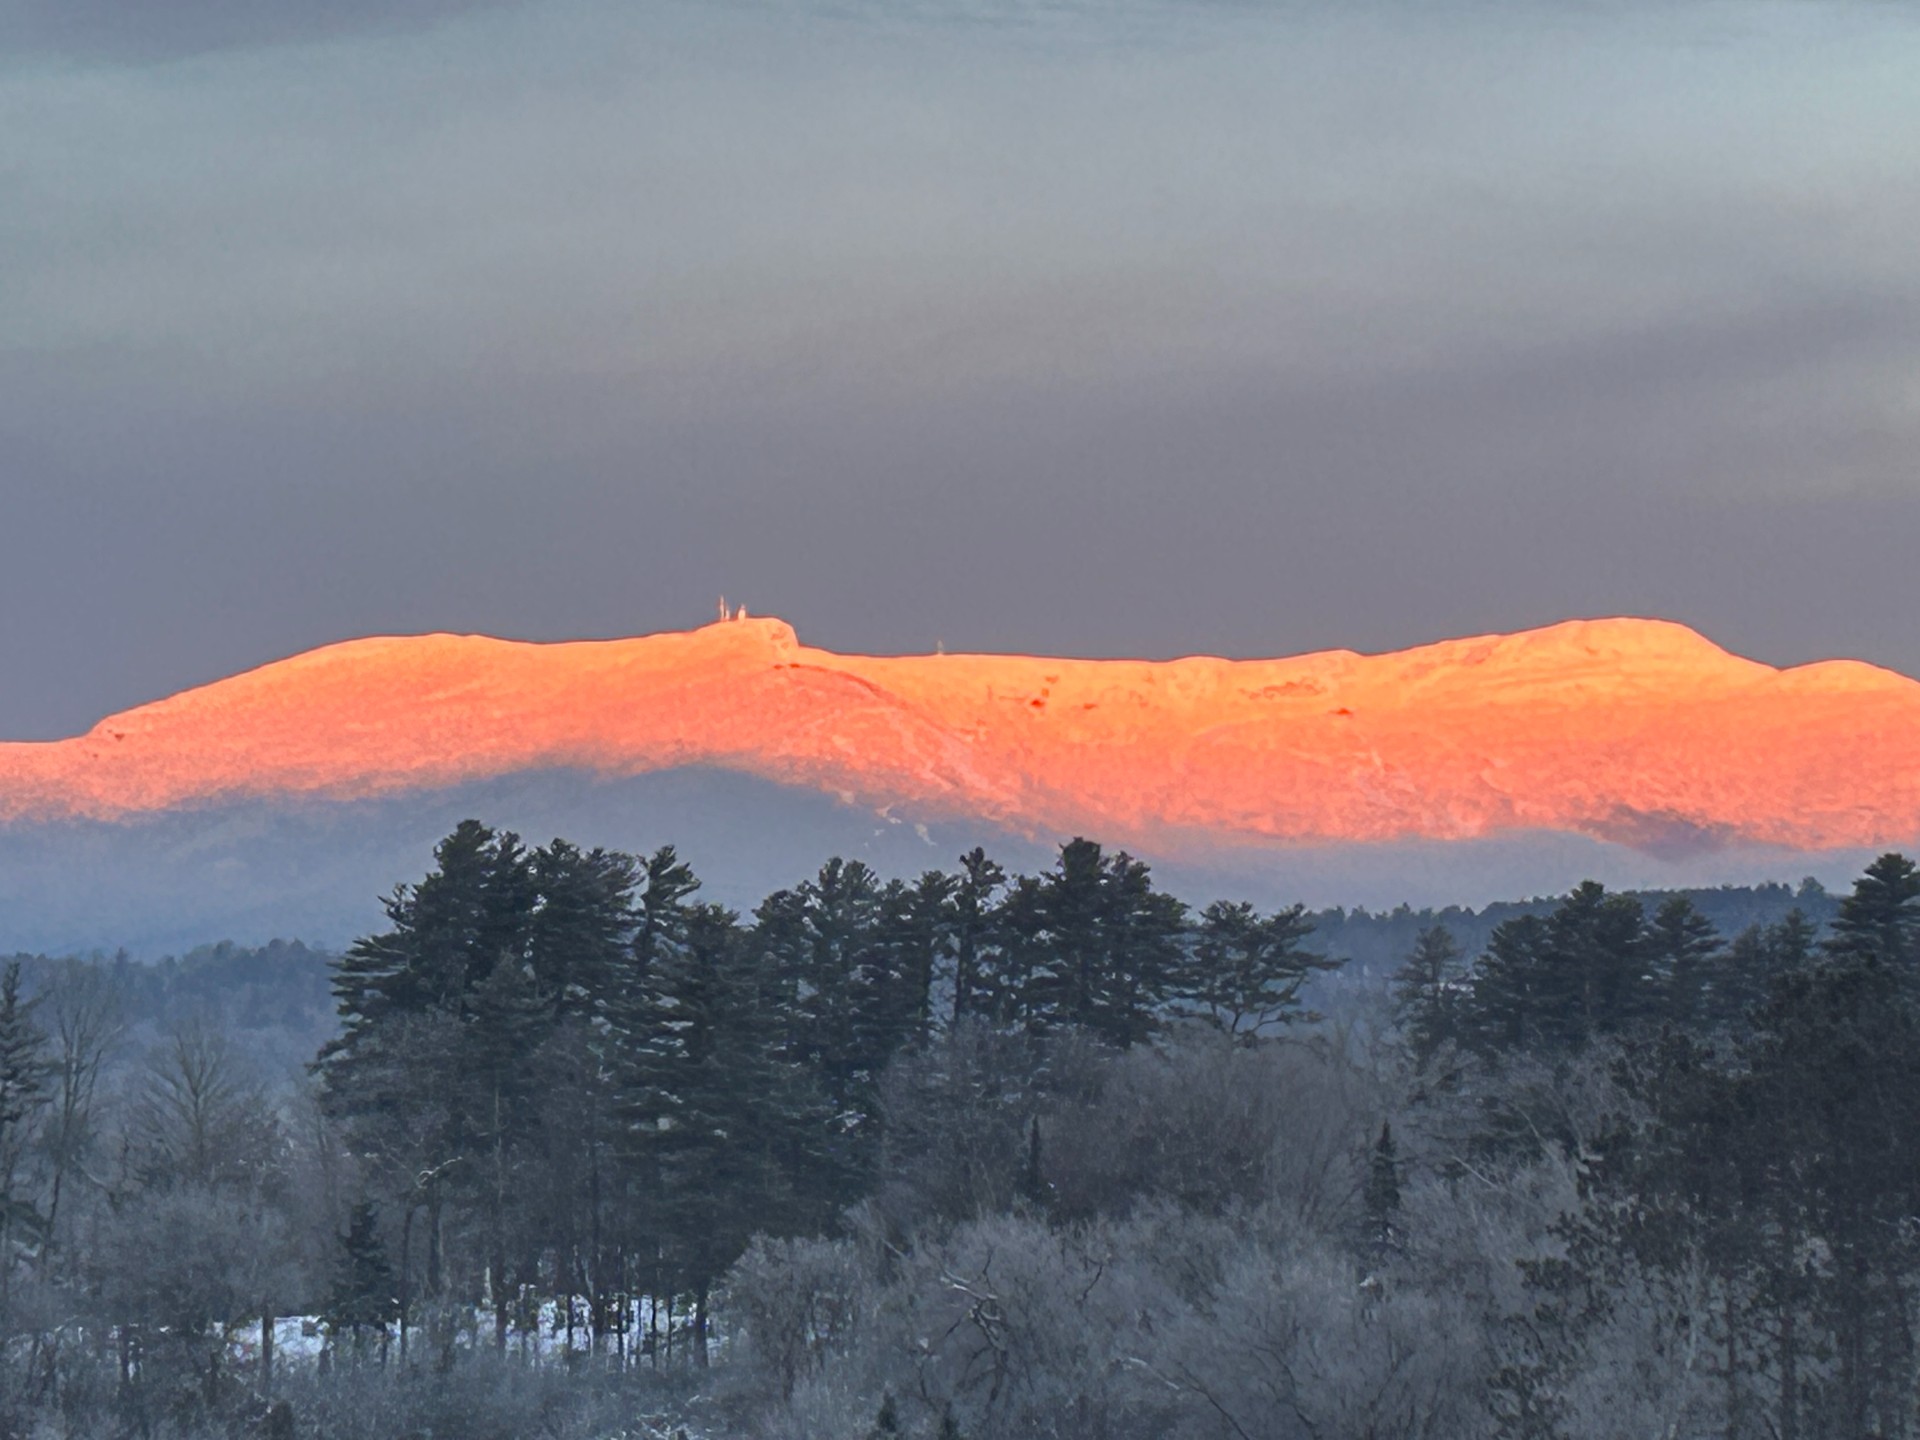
507	1018
1881	918
1683	945
923	922
581	927
887	1002
24	1071
975	897
1101	949
662	1014
662	1006
728	1132
446	934
581	963
1123	997
1246	969
1832	1155
1382	1196
1509	988
667	890
1427	993
835	1013
362	1294
822	938
1601	958
1741	976
448	1035
663	999
1017	986
1555	984
887	1422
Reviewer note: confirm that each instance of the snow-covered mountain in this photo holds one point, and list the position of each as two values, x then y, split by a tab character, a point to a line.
282	800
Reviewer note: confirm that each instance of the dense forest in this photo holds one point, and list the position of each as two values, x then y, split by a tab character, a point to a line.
576	1154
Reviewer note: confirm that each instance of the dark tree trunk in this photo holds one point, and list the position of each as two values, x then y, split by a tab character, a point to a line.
434	1265
266	1354
1788	1427
406	1277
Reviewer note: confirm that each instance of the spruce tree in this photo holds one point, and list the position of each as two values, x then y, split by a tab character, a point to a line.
887	1422
1601	960
1427	993
1509	988
362	1294
975	898
1741	976
1554	984
1683	947
1382	1197
1100	948
24	1070
1881	918
1830	1073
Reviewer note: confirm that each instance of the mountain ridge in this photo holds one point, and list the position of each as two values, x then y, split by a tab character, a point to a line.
1633	731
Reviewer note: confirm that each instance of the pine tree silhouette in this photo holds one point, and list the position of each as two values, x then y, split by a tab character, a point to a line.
1383	1190
362	1295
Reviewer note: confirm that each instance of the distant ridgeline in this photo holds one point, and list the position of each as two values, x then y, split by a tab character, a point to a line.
1376	944
273	1002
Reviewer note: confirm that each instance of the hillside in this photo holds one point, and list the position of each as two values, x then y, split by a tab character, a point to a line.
1633	732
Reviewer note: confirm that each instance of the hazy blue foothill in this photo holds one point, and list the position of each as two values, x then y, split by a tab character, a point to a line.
251	872
319	869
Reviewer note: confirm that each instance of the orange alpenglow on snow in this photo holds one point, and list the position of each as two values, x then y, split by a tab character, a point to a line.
1635	731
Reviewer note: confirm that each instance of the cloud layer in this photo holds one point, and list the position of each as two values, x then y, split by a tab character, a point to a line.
1070	329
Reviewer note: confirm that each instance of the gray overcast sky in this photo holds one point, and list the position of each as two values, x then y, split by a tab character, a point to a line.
1117	328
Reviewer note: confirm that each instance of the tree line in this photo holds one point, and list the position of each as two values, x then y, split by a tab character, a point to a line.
1616	1173
568	1075
981	1154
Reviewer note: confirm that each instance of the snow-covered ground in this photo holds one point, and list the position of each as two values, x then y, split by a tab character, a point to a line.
302	1339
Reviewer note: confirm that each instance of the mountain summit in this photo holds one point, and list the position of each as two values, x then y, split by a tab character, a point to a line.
1638	732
